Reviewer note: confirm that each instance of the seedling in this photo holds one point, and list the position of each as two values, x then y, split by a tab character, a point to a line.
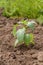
21	35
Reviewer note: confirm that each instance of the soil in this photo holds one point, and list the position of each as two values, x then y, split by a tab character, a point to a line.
21	55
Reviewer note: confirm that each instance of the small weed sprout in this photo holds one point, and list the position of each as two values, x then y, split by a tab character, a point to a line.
21	35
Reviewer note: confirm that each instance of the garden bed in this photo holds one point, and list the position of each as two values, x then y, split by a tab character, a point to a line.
21	55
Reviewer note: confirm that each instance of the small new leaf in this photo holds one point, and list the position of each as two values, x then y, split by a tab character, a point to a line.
24	22
31	25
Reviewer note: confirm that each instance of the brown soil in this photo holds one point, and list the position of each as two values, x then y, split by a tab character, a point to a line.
22	55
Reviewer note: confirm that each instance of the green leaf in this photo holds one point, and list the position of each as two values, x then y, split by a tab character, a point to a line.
31	25
28	39
40	19
20	34
14	30
16	42
31	38
24	22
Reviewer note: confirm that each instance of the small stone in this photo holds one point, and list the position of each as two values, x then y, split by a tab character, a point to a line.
0	56
40	56
35	64
34	56
18	52
40	63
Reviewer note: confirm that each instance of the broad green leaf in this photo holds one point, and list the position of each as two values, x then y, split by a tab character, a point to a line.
40	19
31	25
20	34
28	39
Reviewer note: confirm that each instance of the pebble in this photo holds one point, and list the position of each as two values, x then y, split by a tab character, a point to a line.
40	56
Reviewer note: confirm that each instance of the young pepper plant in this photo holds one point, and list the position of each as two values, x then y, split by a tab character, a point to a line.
21	35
